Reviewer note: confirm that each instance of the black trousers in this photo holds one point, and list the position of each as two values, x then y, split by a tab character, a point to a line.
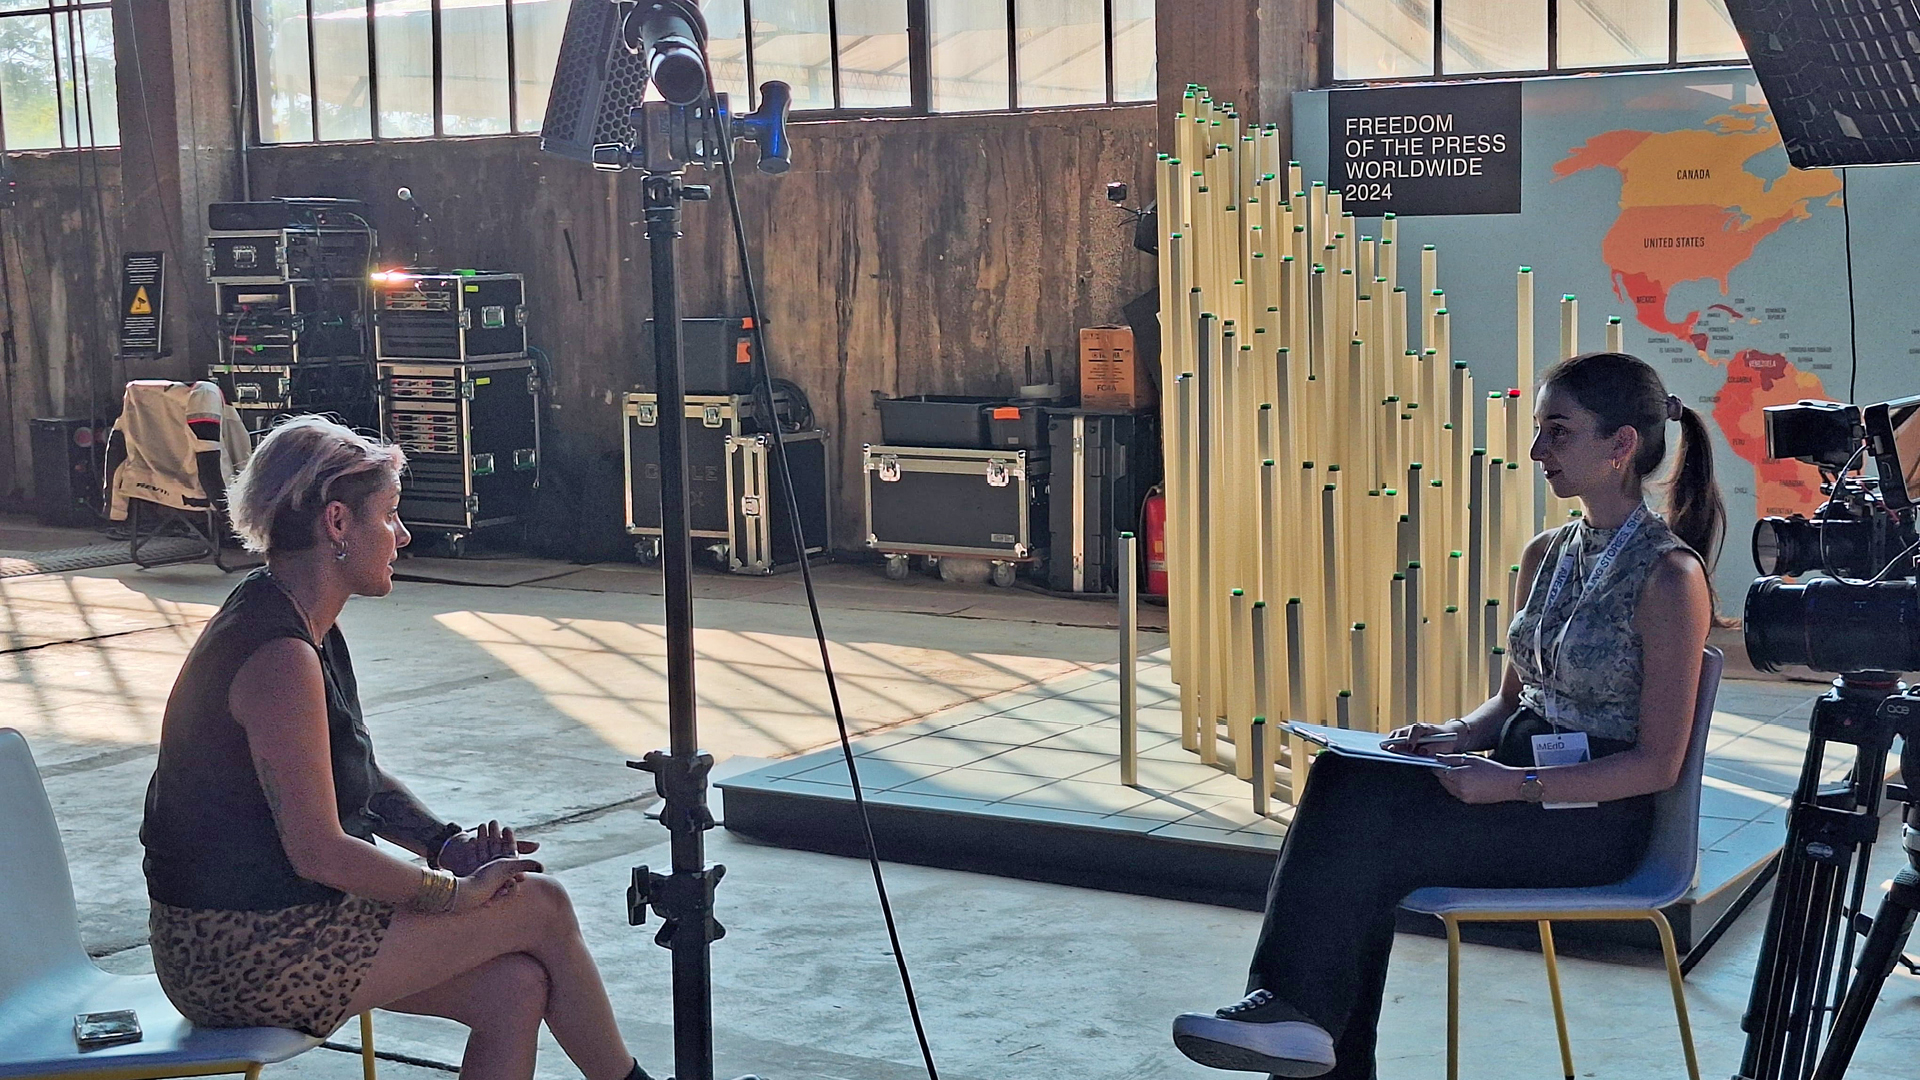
1369	833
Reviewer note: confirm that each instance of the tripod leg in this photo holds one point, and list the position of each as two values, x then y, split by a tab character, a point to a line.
1892	924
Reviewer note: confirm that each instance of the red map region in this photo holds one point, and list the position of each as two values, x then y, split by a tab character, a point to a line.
1755	380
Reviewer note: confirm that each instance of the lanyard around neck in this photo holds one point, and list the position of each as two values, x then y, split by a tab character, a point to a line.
1564	573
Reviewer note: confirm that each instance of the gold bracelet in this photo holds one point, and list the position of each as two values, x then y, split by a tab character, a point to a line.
434	895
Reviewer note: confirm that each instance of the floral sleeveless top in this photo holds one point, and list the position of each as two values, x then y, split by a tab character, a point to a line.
1582	669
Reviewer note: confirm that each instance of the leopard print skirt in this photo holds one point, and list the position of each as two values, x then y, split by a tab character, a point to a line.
294	968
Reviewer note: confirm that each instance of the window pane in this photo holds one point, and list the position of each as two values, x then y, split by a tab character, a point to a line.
282	89
968	41
83	52
1134	55
1493	35
537	26
1706	33
1062	52
473	67
1609	33
727	51
27	82
792	43
1382	39
403	55
340	68
873	54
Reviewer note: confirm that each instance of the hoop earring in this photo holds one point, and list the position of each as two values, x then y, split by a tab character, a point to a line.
340	553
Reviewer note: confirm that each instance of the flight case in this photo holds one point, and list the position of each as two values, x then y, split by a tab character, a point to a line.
449	315
711	420
759	529
471	433
1104	462
983	504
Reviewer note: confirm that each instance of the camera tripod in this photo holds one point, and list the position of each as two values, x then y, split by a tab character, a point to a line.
1816	913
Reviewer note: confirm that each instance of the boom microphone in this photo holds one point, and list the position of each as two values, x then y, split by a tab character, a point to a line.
672	35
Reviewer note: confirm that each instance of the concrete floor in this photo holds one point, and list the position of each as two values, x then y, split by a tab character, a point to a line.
523	703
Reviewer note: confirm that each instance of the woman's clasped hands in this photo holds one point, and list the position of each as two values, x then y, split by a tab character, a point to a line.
487	860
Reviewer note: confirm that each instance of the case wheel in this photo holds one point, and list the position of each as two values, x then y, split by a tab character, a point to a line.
1003	574
456	545
721	556
897	568
647	550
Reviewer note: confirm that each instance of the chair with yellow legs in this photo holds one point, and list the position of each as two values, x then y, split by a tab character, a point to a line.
46	978
1664	876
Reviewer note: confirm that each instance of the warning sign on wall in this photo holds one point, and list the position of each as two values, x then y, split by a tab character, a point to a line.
142	298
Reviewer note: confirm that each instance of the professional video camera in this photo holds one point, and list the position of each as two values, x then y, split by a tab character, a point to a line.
1861	619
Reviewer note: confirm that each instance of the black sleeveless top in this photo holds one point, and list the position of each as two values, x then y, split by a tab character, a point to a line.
210	838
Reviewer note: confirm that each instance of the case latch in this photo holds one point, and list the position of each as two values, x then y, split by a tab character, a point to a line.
710	416
649	414
997	473
483	464
750	506
889	469
524	459
466	318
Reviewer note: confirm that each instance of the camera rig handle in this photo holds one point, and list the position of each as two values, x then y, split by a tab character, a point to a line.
668	138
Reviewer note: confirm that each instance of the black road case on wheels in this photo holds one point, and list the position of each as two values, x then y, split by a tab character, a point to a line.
472	437
1103	464
983	504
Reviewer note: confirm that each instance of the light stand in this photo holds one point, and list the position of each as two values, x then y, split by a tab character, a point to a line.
670	137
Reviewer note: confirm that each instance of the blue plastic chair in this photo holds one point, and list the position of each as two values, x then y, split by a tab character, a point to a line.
46	978
1664	876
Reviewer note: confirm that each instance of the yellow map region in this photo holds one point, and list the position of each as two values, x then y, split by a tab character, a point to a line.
1680	168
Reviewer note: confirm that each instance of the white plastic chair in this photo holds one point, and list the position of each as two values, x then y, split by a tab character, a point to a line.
1664	875
46	978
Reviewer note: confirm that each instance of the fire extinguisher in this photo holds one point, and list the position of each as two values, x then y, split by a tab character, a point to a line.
1155	515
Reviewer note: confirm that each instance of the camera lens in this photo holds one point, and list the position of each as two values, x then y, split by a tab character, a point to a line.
1777	546
1829	625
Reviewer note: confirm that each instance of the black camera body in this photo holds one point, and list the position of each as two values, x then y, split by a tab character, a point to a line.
1864	613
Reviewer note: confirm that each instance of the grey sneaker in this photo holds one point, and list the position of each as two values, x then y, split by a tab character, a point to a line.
1259	1034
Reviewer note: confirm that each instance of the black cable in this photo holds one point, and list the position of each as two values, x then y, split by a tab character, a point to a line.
1853	337
724	141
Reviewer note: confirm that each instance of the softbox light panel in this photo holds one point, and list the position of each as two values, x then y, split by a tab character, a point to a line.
1842	76
597	83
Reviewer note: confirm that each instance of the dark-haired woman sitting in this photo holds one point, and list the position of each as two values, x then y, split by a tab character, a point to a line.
1608	645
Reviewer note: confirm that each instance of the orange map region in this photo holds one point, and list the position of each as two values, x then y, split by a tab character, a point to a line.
1754	381
1691	210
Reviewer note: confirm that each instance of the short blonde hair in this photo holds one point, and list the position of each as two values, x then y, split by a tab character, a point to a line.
303	464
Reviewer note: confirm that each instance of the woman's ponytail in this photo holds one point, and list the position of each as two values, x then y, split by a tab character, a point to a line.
1695	511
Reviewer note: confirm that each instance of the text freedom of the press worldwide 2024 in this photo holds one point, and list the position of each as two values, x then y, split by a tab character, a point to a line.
1427	150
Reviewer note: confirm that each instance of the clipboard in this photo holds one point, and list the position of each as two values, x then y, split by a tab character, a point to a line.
1358	744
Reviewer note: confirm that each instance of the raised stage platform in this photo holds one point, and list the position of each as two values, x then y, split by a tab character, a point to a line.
1027	785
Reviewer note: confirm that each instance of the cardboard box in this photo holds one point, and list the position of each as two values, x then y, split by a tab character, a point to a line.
1109	376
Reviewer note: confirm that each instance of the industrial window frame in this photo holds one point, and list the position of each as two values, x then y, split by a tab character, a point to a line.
77	73
1554	67
919	73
